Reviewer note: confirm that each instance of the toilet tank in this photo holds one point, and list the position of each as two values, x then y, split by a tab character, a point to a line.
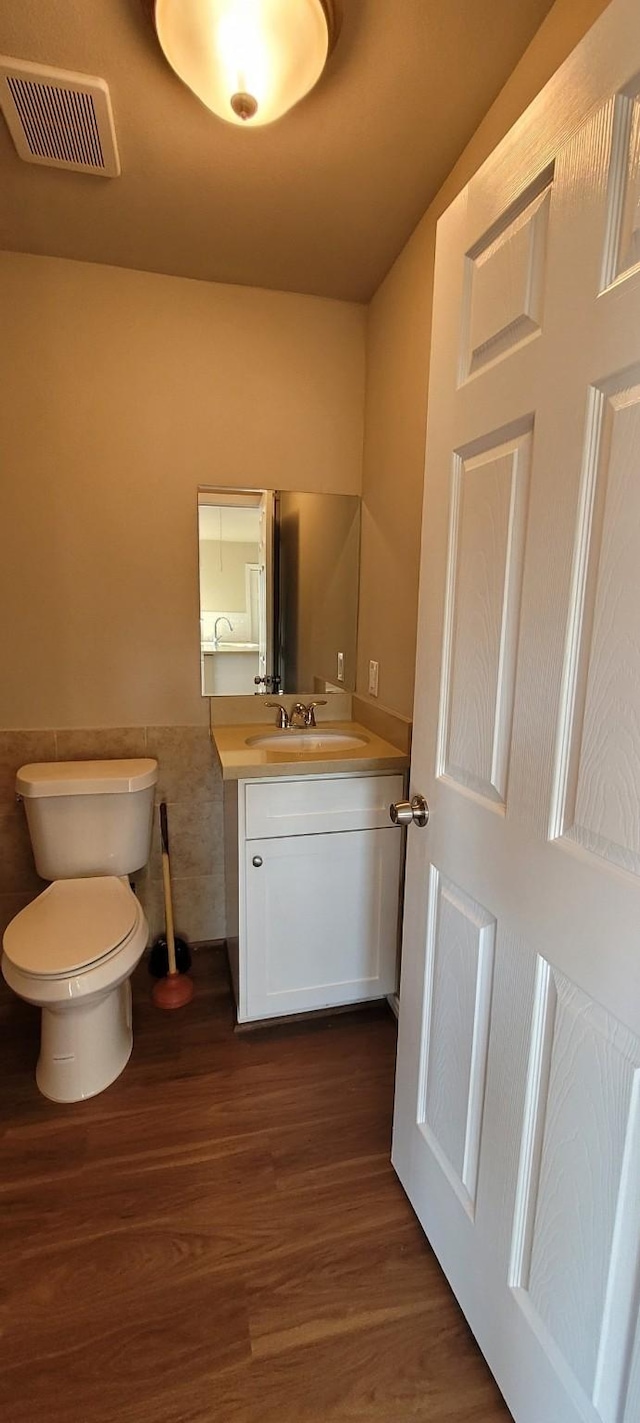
89	817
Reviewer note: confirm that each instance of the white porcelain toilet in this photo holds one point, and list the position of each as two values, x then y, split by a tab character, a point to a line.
73	949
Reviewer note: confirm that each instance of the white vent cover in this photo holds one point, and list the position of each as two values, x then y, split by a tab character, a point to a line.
59	119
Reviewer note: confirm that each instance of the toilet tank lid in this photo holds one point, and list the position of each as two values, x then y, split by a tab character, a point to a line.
61	778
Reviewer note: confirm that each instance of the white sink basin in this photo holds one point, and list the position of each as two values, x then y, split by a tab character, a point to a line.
315	739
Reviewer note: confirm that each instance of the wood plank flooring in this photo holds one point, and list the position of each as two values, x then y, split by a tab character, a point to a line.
220	1235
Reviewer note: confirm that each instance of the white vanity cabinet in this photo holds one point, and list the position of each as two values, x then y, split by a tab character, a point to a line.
313	877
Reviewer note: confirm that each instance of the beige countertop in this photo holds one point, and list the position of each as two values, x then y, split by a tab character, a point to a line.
239	760
208	649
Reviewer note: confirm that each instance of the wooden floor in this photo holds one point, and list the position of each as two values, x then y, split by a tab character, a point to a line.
220	1235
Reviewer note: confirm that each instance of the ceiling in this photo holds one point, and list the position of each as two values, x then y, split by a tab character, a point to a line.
320	202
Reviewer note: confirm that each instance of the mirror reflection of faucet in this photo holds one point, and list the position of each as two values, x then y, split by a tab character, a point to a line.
216	636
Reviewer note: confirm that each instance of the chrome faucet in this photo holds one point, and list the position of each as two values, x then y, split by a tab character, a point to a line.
310	713
300	715
221	619
305	715
282	715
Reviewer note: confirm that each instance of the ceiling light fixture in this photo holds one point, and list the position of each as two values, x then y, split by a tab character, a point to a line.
247	60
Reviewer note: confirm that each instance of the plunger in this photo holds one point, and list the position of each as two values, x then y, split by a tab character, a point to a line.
177	988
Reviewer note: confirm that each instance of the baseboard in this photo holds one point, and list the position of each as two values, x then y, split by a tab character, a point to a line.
199	945
315	1015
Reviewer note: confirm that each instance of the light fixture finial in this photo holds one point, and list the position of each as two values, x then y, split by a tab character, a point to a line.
244	105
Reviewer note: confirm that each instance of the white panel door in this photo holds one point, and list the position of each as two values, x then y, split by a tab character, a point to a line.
517	1123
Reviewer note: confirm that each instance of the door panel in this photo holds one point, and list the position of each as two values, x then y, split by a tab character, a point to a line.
517	1124
579	1156
489	505
504	283
599	758
459	979
632	1410
622	252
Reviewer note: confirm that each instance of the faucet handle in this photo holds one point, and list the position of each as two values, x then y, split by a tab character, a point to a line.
310	714
282	719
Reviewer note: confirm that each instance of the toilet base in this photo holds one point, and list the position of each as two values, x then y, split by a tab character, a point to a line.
83	1048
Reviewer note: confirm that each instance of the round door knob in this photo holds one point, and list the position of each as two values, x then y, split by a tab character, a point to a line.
410	812
257	861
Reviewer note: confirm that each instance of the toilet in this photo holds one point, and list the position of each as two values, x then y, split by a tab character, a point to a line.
72	950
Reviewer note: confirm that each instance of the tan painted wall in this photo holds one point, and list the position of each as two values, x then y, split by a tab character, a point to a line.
397	379
120	392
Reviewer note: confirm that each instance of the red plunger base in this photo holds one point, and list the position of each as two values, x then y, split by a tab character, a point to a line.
173	991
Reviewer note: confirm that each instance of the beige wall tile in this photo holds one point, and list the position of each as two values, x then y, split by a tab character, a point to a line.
197	853
149	892
20	748
199	906
190	781
188	767
195	838
154	863
101	744
17	870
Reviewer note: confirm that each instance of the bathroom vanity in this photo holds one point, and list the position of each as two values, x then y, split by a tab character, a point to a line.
228	667
313	869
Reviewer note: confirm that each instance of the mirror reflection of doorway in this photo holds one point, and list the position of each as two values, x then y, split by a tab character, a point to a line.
279	575
234	529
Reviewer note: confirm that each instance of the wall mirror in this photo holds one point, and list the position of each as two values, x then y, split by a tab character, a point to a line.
279	578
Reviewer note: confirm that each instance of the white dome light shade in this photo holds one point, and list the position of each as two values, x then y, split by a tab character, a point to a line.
247	60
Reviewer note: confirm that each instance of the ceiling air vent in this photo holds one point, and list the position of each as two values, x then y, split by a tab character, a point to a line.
59	119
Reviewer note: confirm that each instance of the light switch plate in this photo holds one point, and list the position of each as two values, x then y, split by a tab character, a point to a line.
373	679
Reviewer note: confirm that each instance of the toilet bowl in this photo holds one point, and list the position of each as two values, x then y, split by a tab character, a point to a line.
71	952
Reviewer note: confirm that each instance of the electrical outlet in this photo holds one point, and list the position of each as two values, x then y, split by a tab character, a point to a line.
341	666
373	679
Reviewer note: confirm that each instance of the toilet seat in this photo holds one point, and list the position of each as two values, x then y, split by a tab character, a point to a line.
72	926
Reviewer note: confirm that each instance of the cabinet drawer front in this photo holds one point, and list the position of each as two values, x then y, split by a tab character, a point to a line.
306	806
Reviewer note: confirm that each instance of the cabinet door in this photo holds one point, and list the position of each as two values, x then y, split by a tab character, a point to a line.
321	921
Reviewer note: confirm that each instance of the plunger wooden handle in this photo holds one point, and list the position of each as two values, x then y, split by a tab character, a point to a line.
166	884
168	911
